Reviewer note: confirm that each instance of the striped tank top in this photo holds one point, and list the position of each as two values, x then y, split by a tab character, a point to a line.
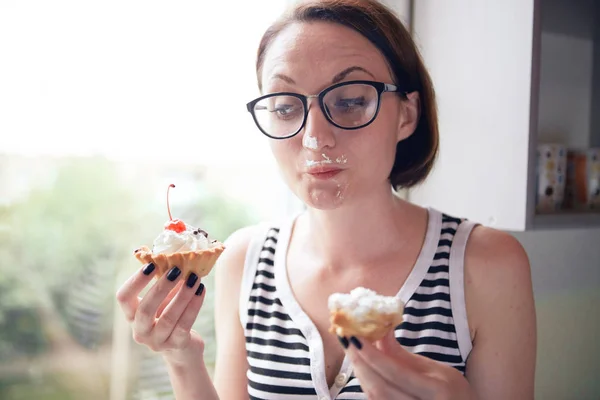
284	348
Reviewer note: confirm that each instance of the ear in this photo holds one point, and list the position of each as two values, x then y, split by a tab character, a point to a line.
410	113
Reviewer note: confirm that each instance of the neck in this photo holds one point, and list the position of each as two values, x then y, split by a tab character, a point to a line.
363	231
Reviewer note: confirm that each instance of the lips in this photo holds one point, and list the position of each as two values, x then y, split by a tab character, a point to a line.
323	171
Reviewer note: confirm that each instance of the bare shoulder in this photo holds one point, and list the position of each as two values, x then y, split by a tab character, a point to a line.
496	261
497	274
501	316
229	270
231	364
495	247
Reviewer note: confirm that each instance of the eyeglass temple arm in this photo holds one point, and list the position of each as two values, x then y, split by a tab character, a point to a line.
393	88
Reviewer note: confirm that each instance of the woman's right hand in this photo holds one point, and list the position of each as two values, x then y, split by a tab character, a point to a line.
162	320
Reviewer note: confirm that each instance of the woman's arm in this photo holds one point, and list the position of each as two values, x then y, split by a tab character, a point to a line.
170	334
231	365
191	381
501	314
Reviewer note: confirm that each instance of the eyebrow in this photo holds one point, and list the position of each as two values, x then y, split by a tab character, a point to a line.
338	78
347	71
284	78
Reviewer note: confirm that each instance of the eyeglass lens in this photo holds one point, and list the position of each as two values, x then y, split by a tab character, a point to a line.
349	106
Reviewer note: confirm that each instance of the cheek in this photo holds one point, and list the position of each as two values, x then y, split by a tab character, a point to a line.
378	146
285	153
377	161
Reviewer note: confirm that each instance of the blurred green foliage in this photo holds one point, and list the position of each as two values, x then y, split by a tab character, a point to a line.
88	219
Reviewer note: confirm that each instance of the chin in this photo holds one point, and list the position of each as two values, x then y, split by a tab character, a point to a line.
322	205
323	199
330	194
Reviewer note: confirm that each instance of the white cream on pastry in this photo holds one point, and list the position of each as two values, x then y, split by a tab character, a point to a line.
361	302
192	239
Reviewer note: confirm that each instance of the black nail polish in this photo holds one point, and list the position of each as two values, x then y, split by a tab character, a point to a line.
344	341
200	290
173	274
148	269
191	280
356	342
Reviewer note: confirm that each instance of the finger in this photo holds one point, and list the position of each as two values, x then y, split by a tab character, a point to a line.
401	372
388	344
174	309
373	384
181	332
169	297
144	319
127	295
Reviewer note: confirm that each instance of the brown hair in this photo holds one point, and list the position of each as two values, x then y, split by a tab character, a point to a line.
415	155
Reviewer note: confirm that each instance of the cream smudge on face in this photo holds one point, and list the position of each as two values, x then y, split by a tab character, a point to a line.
341	160
329	193
341	192
331	197
310	142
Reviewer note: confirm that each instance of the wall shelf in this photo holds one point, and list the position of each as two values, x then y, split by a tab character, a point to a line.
566	220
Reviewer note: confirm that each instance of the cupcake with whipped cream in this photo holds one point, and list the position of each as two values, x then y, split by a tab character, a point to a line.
364	313
181	245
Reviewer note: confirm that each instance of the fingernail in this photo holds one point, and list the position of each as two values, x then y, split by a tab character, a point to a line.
356	342
200	290
148	269
173	274
191	280
344	341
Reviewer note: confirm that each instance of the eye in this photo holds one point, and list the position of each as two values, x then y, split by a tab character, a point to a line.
283	109
349	105
286	111
351	102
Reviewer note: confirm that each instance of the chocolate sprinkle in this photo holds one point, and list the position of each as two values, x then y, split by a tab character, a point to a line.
203	232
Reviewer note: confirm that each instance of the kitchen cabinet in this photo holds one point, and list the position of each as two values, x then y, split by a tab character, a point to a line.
508	75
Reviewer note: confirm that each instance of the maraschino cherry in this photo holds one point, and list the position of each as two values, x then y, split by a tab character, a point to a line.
174	225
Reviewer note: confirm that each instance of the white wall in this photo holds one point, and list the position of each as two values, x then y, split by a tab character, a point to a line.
566	281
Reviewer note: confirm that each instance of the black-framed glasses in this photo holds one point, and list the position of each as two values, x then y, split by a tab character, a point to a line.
346	105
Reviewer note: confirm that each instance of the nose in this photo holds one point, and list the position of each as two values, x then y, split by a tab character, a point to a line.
318	132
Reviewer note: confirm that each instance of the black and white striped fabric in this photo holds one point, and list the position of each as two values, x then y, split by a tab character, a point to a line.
284	348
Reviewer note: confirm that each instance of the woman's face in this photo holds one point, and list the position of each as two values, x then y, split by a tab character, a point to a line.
326	166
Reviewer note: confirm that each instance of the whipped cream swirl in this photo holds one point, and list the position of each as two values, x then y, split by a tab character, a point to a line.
361	302
192	239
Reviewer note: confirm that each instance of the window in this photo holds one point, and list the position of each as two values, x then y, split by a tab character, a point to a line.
102	105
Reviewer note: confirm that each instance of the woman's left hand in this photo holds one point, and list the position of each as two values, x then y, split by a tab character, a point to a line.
387	371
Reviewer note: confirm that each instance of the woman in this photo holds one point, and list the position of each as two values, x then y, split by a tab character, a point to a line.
351	113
